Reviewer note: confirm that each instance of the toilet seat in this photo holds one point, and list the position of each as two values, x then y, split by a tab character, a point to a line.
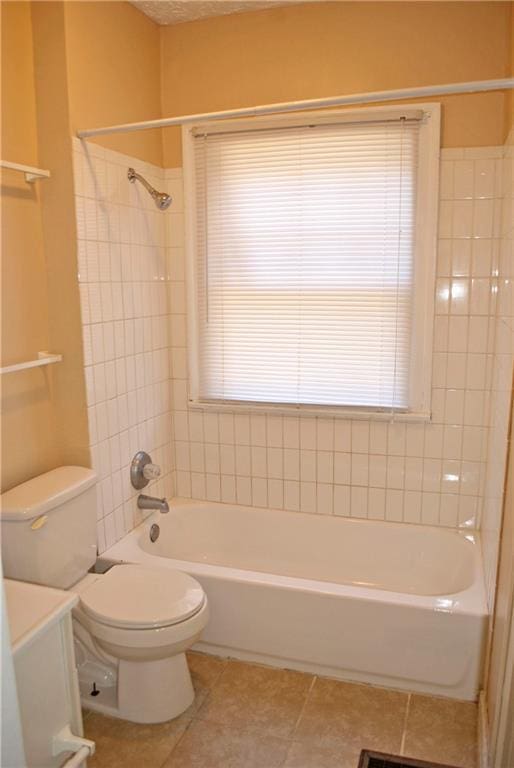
137	597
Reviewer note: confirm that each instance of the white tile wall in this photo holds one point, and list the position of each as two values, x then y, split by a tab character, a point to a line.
132	282
124	281
500	374
421	473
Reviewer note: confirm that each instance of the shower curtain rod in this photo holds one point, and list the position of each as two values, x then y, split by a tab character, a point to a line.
474	86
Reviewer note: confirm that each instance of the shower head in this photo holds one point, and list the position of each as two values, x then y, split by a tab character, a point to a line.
162	200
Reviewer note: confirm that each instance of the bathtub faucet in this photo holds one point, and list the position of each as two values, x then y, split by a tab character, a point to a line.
150	502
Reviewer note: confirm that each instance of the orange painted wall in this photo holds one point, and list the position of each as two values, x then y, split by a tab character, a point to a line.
59	230
29	442
111	64
114	73
510	113
324	49
64	66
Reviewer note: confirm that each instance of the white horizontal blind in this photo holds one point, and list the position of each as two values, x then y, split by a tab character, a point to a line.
305	264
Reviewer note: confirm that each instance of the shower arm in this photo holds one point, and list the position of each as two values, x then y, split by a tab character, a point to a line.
133	175
162	199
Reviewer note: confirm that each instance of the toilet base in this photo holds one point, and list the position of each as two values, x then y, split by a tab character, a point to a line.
136	675
142	692
154	691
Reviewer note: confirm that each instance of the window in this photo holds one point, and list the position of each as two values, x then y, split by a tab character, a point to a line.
311	250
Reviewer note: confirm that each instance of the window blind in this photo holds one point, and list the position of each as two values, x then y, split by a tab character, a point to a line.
305	263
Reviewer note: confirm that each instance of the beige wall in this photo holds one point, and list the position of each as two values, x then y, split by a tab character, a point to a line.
114	72
64	66
29	444
100	62
510	113
59	230
322	49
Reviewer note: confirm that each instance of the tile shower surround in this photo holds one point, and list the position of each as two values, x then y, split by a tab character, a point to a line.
501	365
132	282
123	283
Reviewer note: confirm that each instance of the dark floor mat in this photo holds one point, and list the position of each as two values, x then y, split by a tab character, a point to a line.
381	760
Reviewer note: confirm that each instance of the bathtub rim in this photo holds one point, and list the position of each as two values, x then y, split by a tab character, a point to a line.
471	601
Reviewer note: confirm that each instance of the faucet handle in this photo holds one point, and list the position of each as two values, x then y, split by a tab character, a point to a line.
151	471
142	470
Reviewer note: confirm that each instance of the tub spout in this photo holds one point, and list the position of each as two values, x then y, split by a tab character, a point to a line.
150	502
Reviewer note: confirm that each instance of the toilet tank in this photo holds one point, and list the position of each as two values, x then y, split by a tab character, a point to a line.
48	527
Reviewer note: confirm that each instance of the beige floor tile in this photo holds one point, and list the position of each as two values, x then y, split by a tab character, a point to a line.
248	716
262	698
442	730
210	745
346	718
308	756
120	744
205	673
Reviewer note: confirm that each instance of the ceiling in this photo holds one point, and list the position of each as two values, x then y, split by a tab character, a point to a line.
178	11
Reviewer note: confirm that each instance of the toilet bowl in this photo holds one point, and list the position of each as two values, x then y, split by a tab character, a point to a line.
141	621
132	625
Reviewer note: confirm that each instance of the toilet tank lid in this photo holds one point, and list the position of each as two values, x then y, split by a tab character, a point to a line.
45	492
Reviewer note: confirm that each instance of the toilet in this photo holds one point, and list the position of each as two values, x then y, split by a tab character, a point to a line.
132	624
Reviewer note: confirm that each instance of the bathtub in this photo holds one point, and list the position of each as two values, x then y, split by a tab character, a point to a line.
391	604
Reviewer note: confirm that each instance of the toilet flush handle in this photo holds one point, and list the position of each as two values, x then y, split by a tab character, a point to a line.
39	522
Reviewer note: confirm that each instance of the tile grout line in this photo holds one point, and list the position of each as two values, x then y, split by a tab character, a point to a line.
169	755
225	666
302	710
196	714
193	717
404	733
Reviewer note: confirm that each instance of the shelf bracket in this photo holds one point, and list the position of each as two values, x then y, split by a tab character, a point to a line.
43	358
31	174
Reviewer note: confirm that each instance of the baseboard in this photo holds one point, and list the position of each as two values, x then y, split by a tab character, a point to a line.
483	733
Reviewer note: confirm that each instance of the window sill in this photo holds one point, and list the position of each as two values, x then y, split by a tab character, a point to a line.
321	411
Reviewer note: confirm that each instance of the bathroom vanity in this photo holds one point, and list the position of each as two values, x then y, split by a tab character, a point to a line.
46	678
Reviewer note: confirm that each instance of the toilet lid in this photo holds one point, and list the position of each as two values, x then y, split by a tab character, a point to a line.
133	596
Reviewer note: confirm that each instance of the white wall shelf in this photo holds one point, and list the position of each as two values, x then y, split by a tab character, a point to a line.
43	358
31	174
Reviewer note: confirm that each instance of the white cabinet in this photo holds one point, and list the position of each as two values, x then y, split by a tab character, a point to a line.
46	677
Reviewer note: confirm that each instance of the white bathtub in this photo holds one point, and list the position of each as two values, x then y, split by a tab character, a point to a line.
390	604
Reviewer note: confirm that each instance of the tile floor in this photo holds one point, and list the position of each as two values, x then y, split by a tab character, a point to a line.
250	716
